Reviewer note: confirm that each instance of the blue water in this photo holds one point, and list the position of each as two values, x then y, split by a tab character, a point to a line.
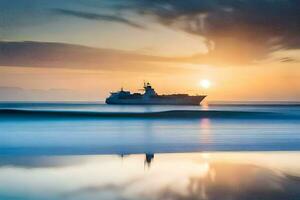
46	151
93	128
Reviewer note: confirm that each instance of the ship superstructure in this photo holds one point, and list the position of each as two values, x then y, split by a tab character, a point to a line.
150	97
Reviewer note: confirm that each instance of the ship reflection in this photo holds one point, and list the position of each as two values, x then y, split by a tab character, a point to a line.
148	159
200	176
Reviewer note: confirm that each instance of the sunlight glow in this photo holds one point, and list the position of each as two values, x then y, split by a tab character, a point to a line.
205	84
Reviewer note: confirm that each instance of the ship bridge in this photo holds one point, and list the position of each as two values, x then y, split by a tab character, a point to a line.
149	91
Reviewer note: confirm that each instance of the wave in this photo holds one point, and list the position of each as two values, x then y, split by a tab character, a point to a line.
172	114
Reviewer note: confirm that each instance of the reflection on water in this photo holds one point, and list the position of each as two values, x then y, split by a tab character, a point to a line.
148	159
204	176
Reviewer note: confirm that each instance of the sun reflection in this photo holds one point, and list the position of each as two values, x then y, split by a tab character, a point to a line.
205	128
205	155
204	105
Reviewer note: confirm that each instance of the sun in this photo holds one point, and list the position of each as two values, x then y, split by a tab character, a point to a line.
205	84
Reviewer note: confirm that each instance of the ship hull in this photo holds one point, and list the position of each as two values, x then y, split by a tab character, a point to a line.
188	100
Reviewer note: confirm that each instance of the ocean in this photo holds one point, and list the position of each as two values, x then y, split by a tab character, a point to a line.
93	128
79	150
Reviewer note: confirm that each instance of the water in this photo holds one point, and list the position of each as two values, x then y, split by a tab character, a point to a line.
203	176
79	151
292	107
84	128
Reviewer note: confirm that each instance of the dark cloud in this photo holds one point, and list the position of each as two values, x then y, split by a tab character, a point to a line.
71	56
95	16
287	60
61	55
237	31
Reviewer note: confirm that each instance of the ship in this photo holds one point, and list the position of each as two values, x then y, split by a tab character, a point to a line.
150	97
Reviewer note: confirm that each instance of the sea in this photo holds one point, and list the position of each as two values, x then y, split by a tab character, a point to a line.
90	150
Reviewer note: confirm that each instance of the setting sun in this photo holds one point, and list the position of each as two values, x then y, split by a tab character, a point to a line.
205	84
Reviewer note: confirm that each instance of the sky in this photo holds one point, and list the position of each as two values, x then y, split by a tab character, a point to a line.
80	50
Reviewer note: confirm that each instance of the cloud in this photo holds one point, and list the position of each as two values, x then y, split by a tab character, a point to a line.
237	32
20	94
71	56
287	60
95	16
244	30
61	55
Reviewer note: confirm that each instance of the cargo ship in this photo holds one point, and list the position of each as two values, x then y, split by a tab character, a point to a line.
150	97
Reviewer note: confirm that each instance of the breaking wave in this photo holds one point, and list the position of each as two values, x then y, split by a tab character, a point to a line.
172	114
